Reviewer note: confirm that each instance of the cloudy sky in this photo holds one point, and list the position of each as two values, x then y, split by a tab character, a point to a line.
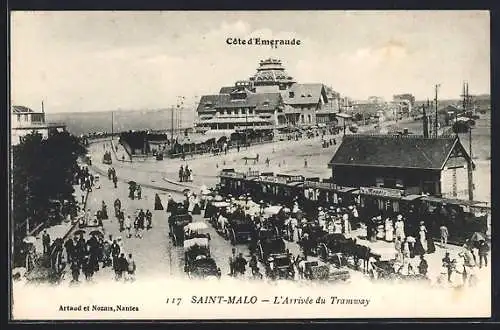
92	61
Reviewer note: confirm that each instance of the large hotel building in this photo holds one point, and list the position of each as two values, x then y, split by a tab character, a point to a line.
269	99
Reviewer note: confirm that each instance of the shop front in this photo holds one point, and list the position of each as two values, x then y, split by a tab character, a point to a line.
376	201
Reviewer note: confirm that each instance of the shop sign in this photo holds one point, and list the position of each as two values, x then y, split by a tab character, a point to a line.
319	185
381	192
233	175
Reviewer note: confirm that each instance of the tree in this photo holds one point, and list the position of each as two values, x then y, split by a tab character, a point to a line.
42	171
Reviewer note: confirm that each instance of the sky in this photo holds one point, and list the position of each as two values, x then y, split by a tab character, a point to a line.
97	61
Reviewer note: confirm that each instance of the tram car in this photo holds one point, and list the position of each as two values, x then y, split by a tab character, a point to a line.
280	266
176	224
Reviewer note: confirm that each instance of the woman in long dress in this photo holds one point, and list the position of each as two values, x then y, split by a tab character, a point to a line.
423	236
389	230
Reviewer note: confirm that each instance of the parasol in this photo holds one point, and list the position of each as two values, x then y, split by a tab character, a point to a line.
477	237
272	210
80	232
29	239
96	233
218	198
194	226
132	183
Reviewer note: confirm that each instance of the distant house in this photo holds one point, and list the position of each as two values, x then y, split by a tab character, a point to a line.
403	165
24	121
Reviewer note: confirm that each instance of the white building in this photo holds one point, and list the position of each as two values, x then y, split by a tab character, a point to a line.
24	120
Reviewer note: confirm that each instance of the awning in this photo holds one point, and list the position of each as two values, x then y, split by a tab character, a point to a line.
295	184
354	192
411	197
452	201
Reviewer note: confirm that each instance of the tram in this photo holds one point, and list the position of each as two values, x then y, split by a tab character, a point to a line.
462	217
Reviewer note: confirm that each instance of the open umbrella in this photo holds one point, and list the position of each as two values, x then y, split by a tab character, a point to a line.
96	233
80	232
477	237
29	239
132	183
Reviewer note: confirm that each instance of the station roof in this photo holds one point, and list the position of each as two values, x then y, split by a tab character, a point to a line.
396	151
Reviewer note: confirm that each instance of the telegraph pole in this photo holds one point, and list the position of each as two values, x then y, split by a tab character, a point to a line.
112	128
436	87
172	124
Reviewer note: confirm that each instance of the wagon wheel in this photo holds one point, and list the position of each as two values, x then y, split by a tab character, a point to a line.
323	251
233	237
261	251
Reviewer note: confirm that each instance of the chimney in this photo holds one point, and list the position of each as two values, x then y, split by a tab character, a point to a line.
42	107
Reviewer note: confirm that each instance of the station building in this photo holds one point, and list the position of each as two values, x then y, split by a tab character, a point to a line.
267	100
387	166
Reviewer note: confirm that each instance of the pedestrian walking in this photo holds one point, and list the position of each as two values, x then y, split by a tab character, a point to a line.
181	173
483	254
305	163
131	267
46	242
115	181
128	226
75	271
444	235
139	192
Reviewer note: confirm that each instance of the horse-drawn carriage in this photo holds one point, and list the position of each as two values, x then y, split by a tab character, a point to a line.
215	207
392	270
176	224
319	271
197	260
280	266
268	243
310	234
335	248
240	227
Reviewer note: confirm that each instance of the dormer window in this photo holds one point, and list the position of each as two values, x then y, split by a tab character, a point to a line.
291	94
302	95
309	95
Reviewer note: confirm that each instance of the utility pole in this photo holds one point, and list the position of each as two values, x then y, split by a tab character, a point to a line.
425	121
172	123
436	114
112	128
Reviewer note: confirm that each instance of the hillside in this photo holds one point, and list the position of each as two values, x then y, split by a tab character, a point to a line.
124	120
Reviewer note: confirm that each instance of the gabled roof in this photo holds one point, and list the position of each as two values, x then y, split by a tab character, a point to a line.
21	109
304	93
259	101
395	151
207	103
227	90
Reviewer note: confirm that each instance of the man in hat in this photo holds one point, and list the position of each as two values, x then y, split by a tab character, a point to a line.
46	242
